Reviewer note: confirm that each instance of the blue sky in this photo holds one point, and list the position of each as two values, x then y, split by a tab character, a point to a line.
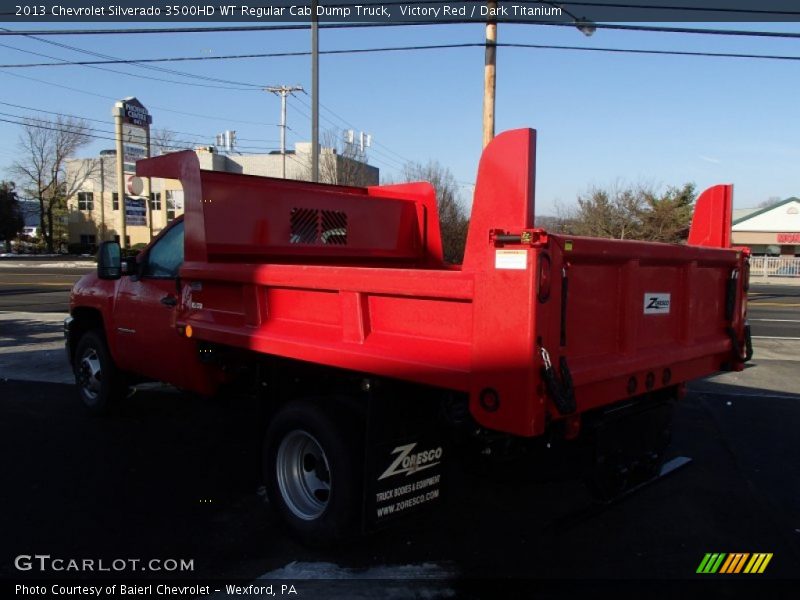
601	118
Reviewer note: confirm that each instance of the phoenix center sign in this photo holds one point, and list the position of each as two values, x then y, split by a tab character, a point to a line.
132	126
135	113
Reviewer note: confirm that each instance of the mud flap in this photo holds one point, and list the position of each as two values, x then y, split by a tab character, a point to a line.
406	452
630	448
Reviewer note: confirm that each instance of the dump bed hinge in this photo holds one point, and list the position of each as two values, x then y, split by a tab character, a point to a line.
528	237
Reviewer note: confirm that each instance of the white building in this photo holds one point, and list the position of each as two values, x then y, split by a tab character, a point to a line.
770	231
94	210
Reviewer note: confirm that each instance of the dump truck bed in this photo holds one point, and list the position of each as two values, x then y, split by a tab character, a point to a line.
532	326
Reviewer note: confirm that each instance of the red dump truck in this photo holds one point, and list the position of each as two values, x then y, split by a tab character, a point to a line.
375	359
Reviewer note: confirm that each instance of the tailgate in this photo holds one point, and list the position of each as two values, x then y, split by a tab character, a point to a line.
632	317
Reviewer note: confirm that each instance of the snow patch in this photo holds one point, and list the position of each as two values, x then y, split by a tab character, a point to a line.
326	570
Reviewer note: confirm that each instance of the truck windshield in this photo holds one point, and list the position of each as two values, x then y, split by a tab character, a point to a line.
166	256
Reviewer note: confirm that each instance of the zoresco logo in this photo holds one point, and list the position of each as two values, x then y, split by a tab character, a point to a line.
656	304
742	562
411	463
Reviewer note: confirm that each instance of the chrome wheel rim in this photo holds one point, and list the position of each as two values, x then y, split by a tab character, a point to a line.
89	375
304	476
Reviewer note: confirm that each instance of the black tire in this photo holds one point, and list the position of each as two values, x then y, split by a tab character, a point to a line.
312	465
100	383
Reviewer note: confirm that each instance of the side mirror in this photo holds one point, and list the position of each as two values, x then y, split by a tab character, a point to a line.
109	261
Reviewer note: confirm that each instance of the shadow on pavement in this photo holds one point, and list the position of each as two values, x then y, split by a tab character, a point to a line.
173	476
21	332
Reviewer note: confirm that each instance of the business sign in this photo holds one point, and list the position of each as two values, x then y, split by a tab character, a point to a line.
135	211
789	238
134	113
134	146
656	304
407	478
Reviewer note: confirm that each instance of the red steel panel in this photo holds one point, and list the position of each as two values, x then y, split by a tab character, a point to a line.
711	222
384	303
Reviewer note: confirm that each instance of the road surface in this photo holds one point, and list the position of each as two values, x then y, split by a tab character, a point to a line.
171	476
774	311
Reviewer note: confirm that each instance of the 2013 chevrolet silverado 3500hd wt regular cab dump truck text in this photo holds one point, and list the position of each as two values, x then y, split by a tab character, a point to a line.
374	359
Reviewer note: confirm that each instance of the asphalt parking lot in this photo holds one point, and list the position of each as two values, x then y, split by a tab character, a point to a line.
172	476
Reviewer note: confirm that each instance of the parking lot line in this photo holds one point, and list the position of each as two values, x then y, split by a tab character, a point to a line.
23	283
777	320
756	303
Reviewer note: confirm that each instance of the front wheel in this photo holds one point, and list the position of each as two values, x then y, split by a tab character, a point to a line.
99	381
312	470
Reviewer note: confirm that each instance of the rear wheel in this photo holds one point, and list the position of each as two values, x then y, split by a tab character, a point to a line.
312	469
99	381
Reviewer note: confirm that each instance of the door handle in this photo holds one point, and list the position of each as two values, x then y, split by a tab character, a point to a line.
169	301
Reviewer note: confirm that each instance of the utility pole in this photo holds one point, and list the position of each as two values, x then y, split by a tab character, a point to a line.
314	93
148	190
490	74
283	91
119	113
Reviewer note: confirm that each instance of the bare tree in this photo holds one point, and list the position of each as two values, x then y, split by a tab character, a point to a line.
164	141
45	147
341	163
771	201
453	218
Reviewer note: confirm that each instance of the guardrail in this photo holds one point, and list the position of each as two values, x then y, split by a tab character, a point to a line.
774	266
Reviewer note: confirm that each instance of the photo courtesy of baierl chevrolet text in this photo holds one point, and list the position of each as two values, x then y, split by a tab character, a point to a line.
399	299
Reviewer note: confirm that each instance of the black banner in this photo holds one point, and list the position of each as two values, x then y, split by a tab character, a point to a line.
414	587
395	11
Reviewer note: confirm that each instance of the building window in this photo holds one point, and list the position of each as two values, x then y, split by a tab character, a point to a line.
174	200
85	201
115	201
87	240
127	240
155	201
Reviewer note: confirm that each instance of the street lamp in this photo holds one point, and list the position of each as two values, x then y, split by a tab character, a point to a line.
586	26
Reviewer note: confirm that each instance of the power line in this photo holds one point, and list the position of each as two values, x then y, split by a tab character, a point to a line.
83	129
74	116
560	4
149	67
748	11
170	110
67	63
183	143
85	132
301	27
174	144
425	47
350	125
336	125
69	128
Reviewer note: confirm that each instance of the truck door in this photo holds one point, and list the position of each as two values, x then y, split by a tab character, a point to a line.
145	314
